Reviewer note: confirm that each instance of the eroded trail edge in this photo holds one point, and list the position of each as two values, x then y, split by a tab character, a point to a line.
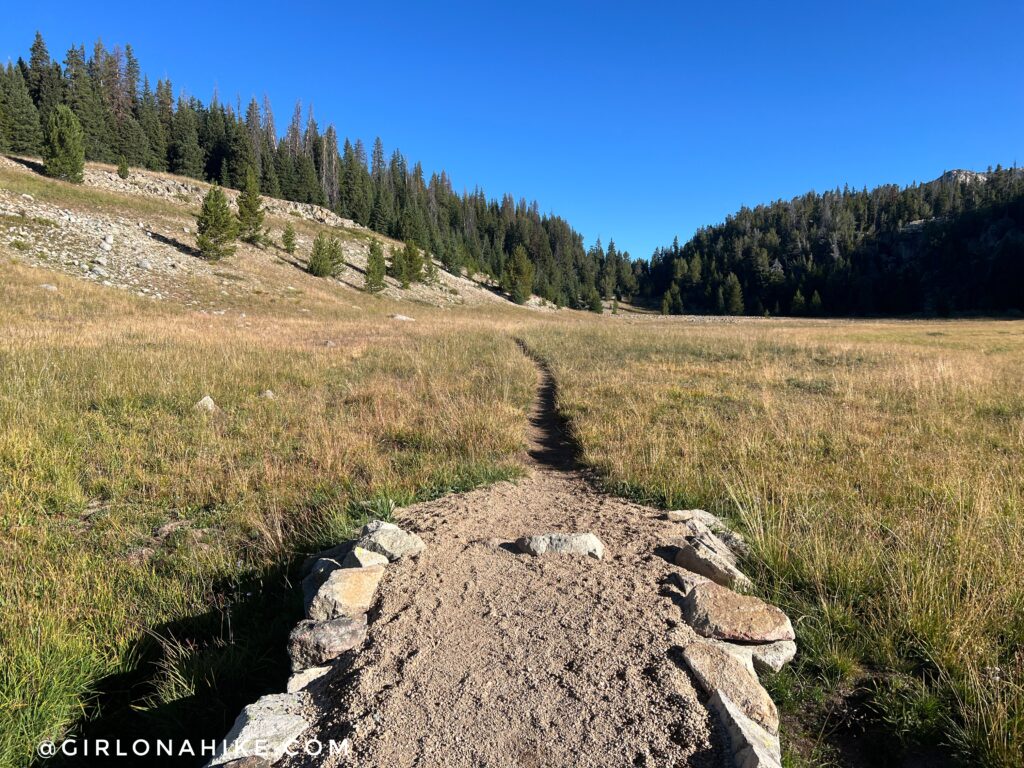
442	642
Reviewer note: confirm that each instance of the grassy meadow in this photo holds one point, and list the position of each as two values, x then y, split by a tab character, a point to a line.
875	467
146	547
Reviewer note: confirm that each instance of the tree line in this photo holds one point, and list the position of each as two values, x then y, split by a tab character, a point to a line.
124	120
955	244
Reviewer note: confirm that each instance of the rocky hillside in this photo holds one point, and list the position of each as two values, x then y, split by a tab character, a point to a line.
138	234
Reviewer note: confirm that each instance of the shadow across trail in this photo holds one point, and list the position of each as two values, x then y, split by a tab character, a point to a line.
551	441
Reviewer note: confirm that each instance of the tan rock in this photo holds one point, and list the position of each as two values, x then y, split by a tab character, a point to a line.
361	558
714	611
718	670
750	745
347	592
698	557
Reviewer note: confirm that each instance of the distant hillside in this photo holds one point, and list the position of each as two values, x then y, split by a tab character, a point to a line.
955	244
122	116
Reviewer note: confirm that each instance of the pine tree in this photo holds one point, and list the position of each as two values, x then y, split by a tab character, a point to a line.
411	265
325	258
122	167
375	268
186	154
20	115
798	305
288	238
518	278
88	106
733	295
816	303
250	210
64	148
216	226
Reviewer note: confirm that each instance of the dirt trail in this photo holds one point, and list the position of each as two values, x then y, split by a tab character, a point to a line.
478	655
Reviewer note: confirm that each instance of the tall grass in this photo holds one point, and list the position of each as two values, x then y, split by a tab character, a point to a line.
101	447
878	470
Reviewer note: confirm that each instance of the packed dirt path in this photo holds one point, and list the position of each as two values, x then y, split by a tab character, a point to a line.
478	655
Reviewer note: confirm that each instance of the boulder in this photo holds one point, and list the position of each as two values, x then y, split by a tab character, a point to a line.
389	540
264	729
313	643
750	745
582	544
718	670
319	572
362	558
347	592
687	580
714	611
206	404
686	515
706	554
302	680
761	657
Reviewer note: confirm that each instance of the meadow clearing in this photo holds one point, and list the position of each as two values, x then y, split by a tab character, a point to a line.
875	468
147	549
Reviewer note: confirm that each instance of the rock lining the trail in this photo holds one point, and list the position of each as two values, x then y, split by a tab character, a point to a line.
581	544
741	636
337	598
389	540
268	725
715	611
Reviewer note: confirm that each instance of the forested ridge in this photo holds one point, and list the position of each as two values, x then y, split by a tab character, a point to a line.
955	244
952	245
124	118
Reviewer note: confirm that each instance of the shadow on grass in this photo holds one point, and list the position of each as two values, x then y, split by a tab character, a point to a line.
190	678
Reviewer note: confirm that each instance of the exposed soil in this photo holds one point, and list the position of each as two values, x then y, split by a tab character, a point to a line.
481	656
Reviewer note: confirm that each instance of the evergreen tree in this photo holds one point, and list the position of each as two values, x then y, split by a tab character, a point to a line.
250	210
816	303
21	118
733	295
88	106
411	265
798	305
216	226
518	279
186	154
325	258
288	238
375	268
122	167
64	148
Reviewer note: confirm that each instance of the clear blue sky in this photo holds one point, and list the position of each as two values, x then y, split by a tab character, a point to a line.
633	120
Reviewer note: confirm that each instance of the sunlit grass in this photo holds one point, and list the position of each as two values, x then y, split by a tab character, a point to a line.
875	467
101	446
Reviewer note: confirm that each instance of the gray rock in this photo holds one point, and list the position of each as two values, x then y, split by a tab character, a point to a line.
718	670
109	239
361	558
347	592
248	762
686	580
268	394
105	246
389	540
144	264
265	729
711	559
302	680
583	544
761	657
313	643
714	611
206	404
319	572
377	525
48	287
686	515
402	318
750	745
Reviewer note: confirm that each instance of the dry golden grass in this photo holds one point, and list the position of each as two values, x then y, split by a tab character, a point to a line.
101	446
877	470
